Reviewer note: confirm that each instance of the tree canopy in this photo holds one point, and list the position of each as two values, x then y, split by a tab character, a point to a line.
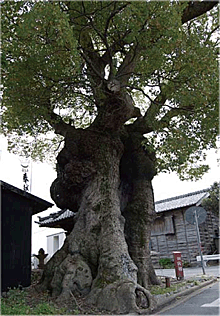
123	83
61	58
211	203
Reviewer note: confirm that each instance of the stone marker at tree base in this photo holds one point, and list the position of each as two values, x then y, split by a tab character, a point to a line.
41	256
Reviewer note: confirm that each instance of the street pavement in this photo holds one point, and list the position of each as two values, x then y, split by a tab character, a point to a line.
204	302
190	272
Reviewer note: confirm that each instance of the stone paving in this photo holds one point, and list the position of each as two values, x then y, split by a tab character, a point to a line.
190	272
212	273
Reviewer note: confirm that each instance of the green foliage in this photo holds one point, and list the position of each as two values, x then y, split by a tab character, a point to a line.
166	263
52	62
211	203
39	147
15	303
46	309
186	264
158	290
39	58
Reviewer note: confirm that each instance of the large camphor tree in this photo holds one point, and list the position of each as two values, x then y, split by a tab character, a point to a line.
132	89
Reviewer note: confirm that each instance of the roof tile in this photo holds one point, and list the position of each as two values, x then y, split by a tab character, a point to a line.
193	198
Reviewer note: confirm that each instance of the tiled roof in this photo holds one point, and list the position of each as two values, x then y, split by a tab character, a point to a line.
55	217
194	198
189	199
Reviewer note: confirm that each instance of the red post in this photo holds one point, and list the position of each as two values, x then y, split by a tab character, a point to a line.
178	265
167	279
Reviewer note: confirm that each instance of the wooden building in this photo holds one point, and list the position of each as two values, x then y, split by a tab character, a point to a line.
17	208
171	232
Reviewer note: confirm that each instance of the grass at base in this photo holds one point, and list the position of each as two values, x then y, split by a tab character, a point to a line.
161	289
15	304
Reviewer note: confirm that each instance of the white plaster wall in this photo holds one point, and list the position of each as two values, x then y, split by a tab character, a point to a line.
50	243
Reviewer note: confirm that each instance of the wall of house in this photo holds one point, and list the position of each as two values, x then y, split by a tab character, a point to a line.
207	231
16	240
172	233
54	243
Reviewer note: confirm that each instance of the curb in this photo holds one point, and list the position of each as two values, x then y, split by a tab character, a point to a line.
167	300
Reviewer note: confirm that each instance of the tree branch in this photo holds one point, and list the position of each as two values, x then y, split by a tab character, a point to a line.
196	9
90	62
210	34
128	65
59	126
113	14
144	124
55	120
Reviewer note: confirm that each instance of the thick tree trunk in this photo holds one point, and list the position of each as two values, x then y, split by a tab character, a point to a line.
94	262
137	202
139	216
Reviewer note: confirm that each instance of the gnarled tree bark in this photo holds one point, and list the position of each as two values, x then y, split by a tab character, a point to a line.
95	261
137	202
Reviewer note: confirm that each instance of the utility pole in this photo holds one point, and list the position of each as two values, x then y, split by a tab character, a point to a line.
196	215
199	241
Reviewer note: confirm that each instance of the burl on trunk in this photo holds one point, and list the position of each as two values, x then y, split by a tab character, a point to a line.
106	256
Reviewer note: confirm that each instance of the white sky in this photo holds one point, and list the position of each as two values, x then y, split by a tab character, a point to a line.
165	185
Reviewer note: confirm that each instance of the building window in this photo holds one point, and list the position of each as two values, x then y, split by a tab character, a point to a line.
169	227
163	226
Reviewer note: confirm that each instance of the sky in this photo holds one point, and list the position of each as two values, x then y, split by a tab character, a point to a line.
165	185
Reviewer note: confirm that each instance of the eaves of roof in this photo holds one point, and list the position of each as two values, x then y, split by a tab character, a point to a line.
194	198
55	217
38	204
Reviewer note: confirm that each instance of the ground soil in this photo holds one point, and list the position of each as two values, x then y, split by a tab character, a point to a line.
74	305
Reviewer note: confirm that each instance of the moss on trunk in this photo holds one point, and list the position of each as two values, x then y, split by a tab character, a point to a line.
97	262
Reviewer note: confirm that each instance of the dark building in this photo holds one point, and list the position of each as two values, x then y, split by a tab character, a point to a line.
17	208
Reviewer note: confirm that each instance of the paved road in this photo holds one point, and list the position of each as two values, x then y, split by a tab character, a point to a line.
206	302
190	272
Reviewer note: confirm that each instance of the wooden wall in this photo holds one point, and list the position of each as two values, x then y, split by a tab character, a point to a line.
16	241
183	237
207	231
17	207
